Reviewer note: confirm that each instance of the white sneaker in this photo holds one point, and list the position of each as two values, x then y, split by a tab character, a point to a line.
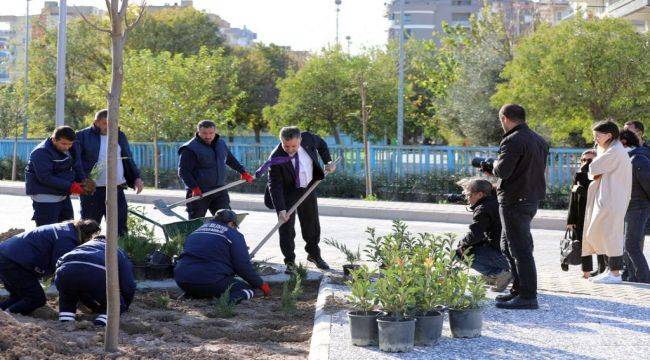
609	278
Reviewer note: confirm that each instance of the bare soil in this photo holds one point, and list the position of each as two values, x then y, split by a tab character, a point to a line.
185	329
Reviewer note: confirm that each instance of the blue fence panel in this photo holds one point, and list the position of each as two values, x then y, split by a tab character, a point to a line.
421	160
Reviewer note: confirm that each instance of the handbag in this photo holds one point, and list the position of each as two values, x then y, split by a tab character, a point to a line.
570	249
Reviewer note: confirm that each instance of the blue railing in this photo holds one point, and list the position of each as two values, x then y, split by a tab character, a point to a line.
422	160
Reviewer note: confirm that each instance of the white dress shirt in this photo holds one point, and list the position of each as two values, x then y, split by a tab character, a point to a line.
306	167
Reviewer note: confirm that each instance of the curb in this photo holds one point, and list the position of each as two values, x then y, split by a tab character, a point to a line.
319	347
383	210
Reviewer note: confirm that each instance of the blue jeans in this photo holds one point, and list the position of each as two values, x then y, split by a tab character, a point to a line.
636	265
489	261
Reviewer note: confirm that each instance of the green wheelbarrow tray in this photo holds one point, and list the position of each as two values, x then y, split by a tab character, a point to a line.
181	228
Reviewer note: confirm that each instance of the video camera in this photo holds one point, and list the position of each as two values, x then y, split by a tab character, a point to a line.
485	164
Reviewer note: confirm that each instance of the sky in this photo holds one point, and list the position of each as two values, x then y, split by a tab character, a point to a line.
301	24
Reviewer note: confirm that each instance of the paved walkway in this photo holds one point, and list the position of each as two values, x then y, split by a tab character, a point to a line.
447	213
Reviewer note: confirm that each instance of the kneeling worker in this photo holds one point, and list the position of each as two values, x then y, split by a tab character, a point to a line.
81	278
212	256
484	237
29	256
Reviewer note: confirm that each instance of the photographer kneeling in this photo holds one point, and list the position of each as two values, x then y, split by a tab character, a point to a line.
484	237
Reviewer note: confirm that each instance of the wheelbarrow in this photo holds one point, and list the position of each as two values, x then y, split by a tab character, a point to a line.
180	228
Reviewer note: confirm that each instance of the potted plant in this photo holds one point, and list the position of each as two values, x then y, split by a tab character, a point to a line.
161	262
352	257
363	320
138	249
396	295
466	313
429	296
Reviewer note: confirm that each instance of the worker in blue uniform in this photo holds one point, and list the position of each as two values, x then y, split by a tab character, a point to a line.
81	278
29	256
212	256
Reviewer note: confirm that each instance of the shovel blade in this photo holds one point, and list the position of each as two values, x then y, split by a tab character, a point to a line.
163	207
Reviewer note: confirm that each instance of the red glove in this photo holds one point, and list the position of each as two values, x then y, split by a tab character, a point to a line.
76	189
266	289
248	177
197	191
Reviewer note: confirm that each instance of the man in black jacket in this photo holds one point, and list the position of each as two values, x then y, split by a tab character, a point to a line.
293	166
520	168
638	211
484	237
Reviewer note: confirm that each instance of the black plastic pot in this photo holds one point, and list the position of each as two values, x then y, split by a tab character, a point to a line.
466	323
349	267
140	272
363	328
428	328
159	272
396	335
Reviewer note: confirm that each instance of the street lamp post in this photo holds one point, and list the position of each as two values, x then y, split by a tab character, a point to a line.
26	90
349	40
400	81
60	64
338	10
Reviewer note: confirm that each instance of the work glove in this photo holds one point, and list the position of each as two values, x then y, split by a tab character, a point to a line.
197	191
248	177
76	189
266	289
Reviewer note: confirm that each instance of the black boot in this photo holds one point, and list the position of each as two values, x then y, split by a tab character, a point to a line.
291	267
519	303
506	297
319	262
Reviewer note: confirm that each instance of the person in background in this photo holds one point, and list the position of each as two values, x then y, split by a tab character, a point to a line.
484	237
638	129
212	256
638	211
576	216
92	149
27	257
521	168
52	175
607	201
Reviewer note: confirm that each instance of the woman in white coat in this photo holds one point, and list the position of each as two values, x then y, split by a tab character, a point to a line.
607	201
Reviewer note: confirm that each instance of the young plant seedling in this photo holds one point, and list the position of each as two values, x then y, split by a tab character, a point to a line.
291	291
352	257
162	301
224	308
362	290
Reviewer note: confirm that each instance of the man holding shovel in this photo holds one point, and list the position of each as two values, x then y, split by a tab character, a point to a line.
202	167
293	166
92	149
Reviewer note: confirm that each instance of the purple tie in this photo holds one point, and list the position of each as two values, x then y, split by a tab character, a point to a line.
297	169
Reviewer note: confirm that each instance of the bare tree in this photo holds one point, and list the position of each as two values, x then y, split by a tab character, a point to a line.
118	12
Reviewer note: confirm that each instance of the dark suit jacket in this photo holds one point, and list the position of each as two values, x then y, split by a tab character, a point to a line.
281	190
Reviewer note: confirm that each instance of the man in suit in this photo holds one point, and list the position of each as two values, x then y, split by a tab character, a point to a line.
293	166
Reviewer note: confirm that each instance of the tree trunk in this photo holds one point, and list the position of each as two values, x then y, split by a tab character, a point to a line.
112	279
156	156
258	138
366	146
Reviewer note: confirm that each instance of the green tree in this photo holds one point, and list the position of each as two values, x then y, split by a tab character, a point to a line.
260	67
477	57
578	72
316	97
11	111
88	58
177	30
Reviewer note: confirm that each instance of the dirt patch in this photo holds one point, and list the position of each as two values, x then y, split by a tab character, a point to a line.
181	330
9	233
334	304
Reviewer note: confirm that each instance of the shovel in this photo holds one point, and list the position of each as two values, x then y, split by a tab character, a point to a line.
291	211
167	209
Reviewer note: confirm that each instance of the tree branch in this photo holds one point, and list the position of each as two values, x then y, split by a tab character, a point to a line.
130	27
90	23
